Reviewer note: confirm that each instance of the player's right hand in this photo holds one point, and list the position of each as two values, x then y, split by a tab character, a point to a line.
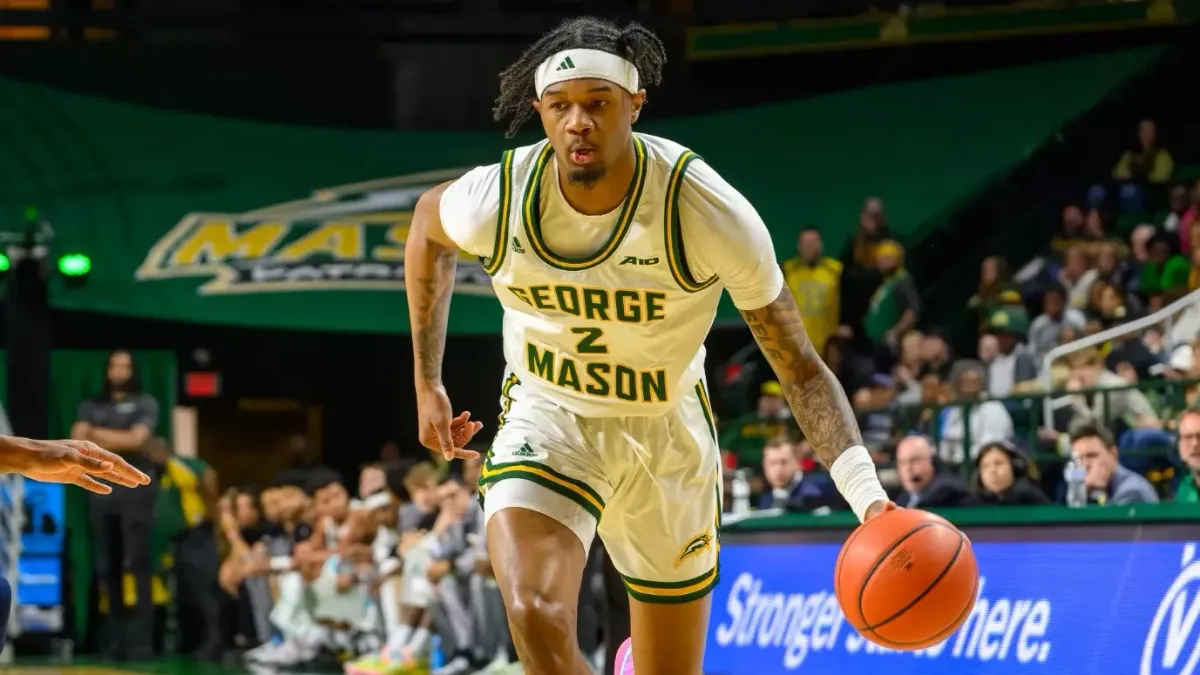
439	430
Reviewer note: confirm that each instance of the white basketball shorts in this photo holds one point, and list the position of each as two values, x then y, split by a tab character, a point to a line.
651	486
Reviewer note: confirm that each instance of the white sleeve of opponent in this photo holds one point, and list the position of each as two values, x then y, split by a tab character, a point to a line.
724	236
469	208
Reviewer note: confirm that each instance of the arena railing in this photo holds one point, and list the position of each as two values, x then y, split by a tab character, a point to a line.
1164	316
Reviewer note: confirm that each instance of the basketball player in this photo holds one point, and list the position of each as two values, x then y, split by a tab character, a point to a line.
75	462
608	251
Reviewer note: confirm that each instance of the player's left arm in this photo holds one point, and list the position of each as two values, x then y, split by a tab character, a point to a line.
725	237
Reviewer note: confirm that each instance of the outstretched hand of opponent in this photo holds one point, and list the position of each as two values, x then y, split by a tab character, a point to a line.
74	462
439	429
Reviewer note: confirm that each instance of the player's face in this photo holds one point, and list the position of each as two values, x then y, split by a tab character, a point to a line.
589	124
245	510
370	481
333	502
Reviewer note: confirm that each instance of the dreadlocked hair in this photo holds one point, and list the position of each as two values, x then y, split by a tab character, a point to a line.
634	43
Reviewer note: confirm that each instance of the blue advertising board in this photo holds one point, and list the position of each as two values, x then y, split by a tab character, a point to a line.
43	539
1044	608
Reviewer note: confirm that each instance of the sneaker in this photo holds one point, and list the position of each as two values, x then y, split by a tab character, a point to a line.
458	665
290	653
260	652
624	660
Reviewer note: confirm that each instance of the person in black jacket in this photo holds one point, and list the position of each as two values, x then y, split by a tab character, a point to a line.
1002	476
923	481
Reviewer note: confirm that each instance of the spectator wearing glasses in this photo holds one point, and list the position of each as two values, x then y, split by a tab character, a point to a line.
1188	491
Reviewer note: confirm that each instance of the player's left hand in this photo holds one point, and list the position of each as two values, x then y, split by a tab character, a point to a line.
77	463
879	508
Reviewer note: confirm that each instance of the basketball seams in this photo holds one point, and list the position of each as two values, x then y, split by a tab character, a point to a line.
875	567
954	625
933	584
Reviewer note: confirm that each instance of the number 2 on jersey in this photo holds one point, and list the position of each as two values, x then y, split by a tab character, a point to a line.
588	341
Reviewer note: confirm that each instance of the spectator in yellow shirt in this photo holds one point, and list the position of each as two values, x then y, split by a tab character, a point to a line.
1142	170
814	280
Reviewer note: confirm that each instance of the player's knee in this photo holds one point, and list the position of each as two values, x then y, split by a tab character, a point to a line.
536	615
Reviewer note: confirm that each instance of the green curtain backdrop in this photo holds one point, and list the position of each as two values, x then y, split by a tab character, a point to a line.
75	376
196	218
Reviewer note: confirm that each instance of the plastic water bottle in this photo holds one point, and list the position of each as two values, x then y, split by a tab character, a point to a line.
741	492
436	658
1076	490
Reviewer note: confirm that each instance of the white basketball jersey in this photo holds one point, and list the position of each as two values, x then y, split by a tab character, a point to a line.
616	333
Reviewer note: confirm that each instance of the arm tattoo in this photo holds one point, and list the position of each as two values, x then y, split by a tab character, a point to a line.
812	391
432	297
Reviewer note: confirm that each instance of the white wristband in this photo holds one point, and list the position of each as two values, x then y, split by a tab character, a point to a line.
854	474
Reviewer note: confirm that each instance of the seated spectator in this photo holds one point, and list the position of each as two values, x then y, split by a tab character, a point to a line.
1144	166
1179	200
907	369
746	436
935	353
1109	304
1076	276
371	479
971	420
1165	269
922	417
1002	477
1189	216
1045	329
450	571
994	279
922	481
1014	362
1107	481
876	408
859	275
1110	264
421	484
1070	231
789	486
1125	405
1188	490
1139	253
852	371
896	305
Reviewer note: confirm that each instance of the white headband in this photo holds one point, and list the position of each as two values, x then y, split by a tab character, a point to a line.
582	64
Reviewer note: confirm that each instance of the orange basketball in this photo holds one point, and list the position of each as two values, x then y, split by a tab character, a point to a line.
906	579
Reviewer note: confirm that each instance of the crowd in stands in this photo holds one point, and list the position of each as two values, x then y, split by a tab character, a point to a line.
962	429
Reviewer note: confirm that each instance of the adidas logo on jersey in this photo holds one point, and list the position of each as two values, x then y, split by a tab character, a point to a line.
517	246
524	451
634	260
565	64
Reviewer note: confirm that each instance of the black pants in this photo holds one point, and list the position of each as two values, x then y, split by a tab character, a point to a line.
197	562
122	525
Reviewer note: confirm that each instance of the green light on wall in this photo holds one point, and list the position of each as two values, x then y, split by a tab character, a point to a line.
74	265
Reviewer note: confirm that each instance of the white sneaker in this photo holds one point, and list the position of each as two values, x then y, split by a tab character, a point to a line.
457	666
260	652
290	653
